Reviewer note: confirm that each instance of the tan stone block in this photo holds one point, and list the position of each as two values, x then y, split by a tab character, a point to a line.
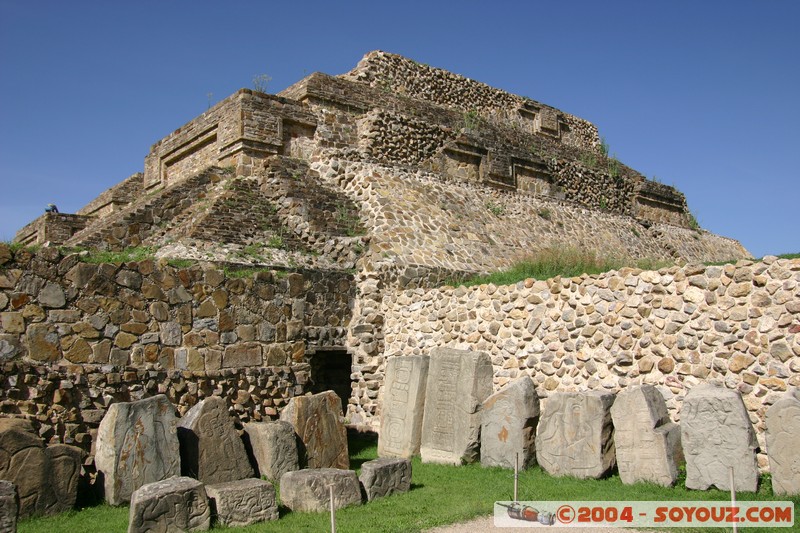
739	362
738	290
79	352
124	340
207	309
773	383
43	342
12	322
33	313
136	328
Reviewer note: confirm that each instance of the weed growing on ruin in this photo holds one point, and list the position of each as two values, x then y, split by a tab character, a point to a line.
242	271
604	147
137	253
276	241
260	82
789	256
613	168
545	213
471	119
603	203
345	217
692	221
588	160
495	209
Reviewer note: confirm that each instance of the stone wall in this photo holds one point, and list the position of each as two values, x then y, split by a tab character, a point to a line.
77	336
406	77
51	227
738	324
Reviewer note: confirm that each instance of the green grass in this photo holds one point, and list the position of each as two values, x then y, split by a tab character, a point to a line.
138	253
439	495
552	262
789	256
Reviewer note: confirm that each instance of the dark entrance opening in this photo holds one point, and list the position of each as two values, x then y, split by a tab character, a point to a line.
330	370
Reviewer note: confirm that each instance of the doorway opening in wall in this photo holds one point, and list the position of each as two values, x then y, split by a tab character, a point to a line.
330	370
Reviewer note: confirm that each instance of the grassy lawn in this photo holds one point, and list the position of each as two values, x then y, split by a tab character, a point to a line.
439	495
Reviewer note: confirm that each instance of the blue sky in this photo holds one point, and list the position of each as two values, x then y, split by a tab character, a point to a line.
701	94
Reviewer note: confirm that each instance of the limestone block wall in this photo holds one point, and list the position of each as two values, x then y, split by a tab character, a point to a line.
66	403
738	324
56	309
54	228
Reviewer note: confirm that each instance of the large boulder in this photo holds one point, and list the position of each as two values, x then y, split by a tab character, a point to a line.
46	479
458	383
575	436
385	476
244	502
716	434
211	449
174	504
317	420
9	507
137	444
508	425
647	442
403	405
274	446
783	435
309	490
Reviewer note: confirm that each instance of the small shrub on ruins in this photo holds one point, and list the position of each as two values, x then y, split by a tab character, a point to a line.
588	160
789	256
604	147
471	119
613	168
180	263
260	82
276	241
545	213
692	221
495	209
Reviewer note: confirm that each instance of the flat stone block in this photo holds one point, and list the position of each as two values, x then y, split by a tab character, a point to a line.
508	425
385	476
403	406
575	436
211	449
716	434
137	444
274	446
783	435
244	502
174	504
9	507
458	383
308	490
647	442
317	420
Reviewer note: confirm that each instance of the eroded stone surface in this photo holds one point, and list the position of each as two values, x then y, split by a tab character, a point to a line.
508	425
783	435
458	383
575	436
244	502
308	490
716	434
385	476
648	444
137	444
211	449
46	479
318	421
403	406
8	507
174	504
274	446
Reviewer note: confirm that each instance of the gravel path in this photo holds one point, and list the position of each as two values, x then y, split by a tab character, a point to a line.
486	523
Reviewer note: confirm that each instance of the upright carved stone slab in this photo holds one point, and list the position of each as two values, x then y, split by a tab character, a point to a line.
716	434
648	444
508	425
274	446
137	444
575	435
244	502
8	507
385	476
458	383
175	504
211	449
783	436
46	478
318	422
403	405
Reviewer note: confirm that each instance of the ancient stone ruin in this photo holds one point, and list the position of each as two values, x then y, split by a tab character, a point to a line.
307	242
783	432
508	426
